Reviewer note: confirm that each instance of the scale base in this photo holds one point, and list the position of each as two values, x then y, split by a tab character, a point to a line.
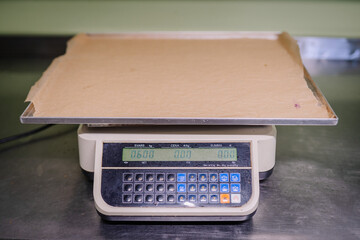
176	219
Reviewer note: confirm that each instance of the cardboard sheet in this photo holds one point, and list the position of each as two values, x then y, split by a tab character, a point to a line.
238	75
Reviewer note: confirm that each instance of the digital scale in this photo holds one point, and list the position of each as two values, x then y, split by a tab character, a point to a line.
177	173
187	145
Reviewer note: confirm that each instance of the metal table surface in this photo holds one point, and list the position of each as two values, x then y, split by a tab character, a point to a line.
313	192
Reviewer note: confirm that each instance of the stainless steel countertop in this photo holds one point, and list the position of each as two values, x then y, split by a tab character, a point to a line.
313	192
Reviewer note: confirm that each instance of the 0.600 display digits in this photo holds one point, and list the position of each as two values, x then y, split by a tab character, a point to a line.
142	154
179	154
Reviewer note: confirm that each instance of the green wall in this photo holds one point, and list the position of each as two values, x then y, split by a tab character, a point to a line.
66	17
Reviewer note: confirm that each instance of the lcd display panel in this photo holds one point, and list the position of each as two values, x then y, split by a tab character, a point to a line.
179	154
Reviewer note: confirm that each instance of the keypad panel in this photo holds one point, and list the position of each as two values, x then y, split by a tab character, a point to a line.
176	187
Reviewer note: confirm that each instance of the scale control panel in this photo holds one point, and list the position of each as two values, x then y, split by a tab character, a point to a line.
177	173
176	187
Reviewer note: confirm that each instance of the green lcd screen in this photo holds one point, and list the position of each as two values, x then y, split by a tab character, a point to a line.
179	154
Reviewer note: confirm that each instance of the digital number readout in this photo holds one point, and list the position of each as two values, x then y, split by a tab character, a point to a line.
179	154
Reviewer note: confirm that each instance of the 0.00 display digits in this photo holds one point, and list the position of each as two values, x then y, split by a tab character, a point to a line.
226	154
182	154
139	154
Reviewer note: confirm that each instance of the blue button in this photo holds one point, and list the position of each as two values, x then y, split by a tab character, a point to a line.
235	177
213	177
224	187
192	177
181	187
192	198
213	187
192	187
181	177
224	177
203	198
181	198
202	177
235	187
203	187
214	198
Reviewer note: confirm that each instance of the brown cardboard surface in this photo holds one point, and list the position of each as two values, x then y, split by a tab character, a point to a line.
234	75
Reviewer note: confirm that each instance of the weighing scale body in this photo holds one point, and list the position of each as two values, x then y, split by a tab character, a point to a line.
255	144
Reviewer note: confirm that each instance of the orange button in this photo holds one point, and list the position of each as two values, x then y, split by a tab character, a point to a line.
225	198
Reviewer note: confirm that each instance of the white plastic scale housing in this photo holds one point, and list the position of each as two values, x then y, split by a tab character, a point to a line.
262	141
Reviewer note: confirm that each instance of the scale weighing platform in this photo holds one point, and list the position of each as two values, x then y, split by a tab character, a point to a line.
153	152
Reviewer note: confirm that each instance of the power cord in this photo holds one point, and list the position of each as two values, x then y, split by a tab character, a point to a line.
25	134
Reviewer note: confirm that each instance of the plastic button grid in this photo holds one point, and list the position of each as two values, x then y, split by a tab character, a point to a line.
159	187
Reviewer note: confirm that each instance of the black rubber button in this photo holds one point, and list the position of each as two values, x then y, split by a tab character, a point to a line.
171	198
171	187
128	187
160	188
139	177
149	187
138	187
160	198
128	177
149	198
138	198
160	177
149	177
171	177
127	198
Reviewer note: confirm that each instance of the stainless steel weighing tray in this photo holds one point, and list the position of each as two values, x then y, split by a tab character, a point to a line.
28	118
331	119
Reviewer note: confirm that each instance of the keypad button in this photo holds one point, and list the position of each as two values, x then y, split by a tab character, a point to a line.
160	187
139	187
181	177
128	177
235	187
139	177
202	177
170	198
127	198
192	177
192	198
203	187
149	177
213	177
181	187
149	187
224	187
224	177
214	198
181	198
214	187
192	187
160	198
128	187
170	177
224	198
160	177
203	198
171	187
149	198
235	177
235	198
138	198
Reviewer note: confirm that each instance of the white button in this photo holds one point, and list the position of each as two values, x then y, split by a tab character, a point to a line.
235	198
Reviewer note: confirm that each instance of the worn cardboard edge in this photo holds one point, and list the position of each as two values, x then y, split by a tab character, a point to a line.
318	94
43	81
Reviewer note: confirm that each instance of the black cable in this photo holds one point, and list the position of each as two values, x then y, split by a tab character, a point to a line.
25	134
